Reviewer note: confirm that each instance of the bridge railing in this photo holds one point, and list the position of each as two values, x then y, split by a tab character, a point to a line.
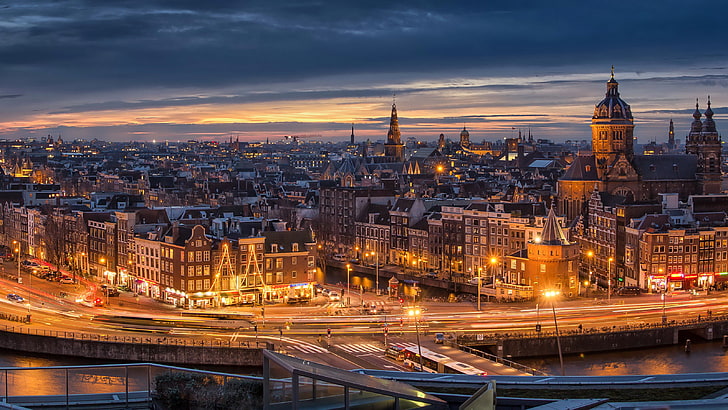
496	359
492	337
155	340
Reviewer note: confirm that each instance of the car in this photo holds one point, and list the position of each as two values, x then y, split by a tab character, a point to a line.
629	290
339	257
431	275
28	263
439	338
334	296
66	280
98	302
483	281
15	298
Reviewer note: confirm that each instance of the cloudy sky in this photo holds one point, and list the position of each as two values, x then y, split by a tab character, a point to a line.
179	69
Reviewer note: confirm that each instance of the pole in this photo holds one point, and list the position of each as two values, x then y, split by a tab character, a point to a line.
377	269
479	292
348	290
664	314
558	340
609	281
419	345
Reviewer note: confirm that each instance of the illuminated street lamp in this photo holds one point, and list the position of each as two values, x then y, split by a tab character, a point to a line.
17	256
348	291
552	294
493	263
415	312
590	255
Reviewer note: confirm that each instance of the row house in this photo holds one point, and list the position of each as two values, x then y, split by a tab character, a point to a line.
339	209
403	215
677	258
496	230
373	234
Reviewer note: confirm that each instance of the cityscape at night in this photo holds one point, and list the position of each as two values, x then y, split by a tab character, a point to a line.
323	205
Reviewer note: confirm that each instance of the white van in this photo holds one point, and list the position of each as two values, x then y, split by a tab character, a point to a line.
340	257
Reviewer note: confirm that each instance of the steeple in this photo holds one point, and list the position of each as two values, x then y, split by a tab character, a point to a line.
352	134
671	136
697	125
394	136
612	128
709	124
552	233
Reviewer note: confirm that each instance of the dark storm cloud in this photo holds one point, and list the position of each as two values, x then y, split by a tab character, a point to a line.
178	43
78	55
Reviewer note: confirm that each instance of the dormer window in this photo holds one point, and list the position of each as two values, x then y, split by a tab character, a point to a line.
587	168
274	248
294	247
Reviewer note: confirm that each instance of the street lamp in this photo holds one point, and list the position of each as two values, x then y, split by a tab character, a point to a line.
609	279
493	262
480	270
590	255
664	314
17	251
348	291
552	294
416	313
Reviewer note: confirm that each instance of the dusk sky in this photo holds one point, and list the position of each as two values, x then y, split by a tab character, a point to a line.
179	70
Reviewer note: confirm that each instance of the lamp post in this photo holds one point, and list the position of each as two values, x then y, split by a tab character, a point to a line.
493	264
664	314
610	261
348	291
552	294
17	256
590	255
416	313
480	269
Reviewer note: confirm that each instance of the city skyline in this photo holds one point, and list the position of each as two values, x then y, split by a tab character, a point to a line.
178	71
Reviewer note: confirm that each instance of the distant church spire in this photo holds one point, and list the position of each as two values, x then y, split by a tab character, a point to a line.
352	134
394	136
671	136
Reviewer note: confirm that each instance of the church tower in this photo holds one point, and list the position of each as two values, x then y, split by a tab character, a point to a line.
671	136
352	135
705	142
393	148
612	129
464	138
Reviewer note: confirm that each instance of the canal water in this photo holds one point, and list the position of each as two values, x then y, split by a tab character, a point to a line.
703	357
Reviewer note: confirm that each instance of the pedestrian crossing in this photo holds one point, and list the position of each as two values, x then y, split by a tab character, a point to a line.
380	305
358	348
307	348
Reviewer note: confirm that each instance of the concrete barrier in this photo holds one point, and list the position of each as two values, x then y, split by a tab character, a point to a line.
145	350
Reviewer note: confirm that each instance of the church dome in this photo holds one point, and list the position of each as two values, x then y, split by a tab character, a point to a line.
464	133
612	107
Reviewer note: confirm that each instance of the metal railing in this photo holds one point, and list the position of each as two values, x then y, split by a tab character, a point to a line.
166	341
96	385
506	362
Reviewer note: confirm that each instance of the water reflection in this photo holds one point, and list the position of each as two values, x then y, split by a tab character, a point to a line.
704	357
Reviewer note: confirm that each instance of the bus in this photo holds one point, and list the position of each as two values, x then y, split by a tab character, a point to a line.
433	362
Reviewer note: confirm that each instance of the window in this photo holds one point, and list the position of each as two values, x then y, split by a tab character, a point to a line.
206	285
279	277
294	261
543	268
294	247
198	284
279	263
273	248
190	256
198	256
293	274
190	271
206	256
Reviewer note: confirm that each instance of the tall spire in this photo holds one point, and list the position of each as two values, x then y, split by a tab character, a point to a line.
697	125
552	233
352	134
671	136
394	136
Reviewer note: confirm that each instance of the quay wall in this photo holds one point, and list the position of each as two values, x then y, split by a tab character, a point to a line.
142	349
592	340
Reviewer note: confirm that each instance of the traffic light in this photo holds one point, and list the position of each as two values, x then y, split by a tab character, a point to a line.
538	328
255	327
328	332
401	301
620	279
401	321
